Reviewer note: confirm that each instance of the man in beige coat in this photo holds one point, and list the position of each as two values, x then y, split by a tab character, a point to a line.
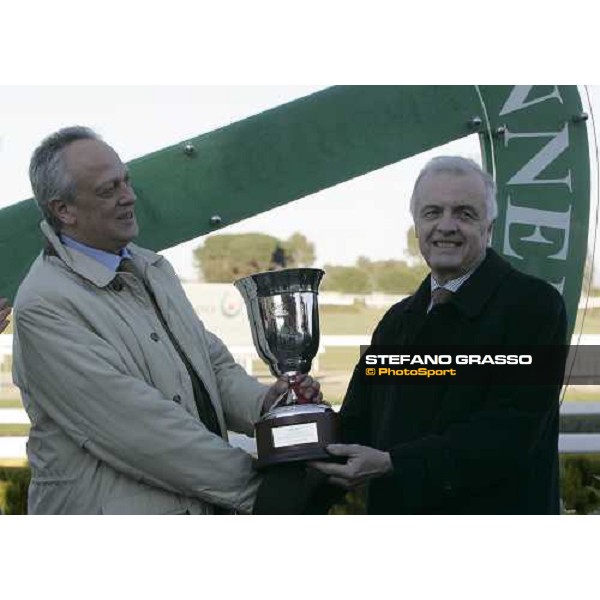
129	396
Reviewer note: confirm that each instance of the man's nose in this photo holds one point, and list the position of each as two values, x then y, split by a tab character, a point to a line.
447	222
127	194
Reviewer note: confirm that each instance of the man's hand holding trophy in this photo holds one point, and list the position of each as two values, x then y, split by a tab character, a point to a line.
307	389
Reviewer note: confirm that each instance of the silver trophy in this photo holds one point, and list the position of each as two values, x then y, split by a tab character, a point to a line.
284	319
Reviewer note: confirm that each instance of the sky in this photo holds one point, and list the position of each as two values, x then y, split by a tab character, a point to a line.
366	216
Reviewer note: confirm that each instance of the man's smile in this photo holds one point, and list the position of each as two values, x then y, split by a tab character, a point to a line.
446	244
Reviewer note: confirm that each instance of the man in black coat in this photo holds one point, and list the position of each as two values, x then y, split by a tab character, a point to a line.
458	449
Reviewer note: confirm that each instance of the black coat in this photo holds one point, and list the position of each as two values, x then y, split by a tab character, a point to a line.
457	449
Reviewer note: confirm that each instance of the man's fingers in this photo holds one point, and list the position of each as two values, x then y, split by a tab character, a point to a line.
307	392
278	388
275	392
330	468
307	382
341	449
319	400
281	385
308	389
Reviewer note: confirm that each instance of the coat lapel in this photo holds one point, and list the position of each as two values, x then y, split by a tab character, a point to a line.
414	315
481	286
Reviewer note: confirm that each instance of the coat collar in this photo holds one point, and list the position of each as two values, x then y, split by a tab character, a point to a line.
474	293
89	268
419	301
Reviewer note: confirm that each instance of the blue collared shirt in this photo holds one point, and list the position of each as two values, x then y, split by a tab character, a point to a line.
109	260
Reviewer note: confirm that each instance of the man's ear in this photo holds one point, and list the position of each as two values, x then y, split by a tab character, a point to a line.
63	212
489	232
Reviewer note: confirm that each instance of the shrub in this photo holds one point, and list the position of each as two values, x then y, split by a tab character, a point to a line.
580	483
14	482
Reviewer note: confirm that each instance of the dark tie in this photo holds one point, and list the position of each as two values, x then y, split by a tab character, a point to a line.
204	406
128	266
440	296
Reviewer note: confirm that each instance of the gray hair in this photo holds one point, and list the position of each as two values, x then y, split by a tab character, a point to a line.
459	165
47	172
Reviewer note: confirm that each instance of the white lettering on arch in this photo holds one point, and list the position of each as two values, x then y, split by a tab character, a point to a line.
517	100
537	218
559	142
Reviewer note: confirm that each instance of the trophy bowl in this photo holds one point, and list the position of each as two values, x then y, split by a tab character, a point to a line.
284	320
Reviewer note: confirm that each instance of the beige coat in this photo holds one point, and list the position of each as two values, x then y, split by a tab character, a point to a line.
114	426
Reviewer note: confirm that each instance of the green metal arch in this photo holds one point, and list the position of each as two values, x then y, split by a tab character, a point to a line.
531	138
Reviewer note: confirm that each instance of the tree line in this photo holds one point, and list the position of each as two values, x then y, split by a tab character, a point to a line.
226	257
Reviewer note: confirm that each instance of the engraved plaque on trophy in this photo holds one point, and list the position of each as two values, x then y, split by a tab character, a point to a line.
284	319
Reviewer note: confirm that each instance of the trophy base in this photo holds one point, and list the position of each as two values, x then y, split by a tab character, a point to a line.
296	433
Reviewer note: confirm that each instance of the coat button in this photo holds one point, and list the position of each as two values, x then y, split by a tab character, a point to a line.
154	336
177	398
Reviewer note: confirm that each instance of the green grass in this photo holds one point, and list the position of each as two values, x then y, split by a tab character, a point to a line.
13	462
359	319
339	358
3	487
591	321
11	403
333	360
582	394
356	319
14	430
